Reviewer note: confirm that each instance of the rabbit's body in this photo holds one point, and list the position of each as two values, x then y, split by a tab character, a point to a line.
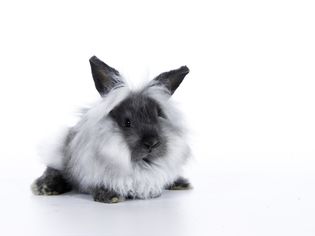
131	144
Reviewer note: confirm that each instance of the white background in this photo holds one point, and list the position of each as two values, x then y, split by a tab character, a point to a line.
249	101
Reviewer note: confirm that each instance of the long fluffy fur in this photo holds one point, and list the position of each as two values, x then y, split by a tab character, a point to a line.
94	152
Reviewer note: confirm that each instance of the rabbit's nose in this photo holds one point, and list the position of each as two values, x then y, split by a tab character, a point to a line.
151	142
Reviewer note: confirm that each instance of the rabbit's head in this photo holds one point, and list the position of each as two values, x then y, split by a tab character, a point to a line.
142	117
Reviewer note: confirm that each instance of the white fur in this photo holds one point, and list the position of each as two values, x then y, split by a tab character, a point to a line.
99	156
51	148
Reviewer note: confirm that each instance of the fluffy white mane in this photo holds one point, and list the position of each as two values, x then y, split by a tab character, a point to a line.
94	153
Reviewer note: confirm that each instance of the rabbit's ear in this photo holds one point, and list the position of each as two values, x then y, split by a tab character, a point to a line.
105	77
171	79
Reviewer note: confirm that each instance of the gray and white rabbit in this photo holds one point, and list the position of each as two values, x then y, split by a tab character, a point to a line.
130	144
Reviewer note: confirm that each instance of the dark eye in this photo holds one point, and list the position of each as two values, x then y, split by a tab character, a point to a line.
127	123
160	113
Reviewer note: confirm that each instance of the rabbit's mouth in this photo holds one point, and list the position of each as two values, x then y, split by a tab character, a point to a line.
145	157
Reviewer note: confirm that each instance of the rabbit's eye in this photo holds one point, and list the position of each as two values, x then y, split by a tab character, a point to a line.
127	123
160	113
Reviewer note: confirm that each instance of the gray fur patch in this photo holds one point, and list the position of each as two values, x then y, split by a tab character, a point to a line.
139	118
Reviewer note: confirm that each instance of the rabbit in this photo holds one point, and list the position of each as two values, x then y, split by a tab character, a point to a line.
129	145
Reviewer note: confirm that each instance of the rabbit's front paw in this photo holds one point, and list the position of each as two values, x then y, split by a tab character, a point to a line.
39	188
106	196
50	183
180	184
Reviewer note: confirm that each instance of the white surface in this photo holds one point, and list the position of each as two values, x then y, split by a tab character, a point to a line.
249	100
227	199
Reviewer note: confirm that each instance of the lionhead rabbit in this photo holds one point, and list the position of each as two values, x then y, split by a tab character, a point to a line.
131	144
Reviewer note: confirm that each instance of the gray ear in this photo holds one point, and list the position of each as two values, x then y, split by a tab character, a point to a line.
105	77
172	79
